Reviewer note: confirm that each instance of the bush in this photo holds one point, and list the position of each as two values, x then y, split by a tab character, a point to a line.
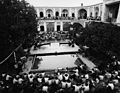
103	40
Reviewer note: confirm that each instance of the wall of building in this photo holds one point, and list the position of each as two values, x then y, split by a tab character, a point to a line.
111	11
66	14
57	16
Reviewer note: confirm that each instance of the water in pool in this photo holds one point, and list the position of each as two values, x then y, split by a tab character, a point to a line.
56	61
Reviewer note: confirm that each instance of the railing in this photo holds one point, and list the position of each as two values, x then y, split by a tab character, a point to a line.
69	18
98	18
55	53
12	53
56	18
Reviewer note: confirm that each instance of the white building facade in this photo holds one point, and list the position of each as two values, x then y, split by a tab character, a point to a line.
59	18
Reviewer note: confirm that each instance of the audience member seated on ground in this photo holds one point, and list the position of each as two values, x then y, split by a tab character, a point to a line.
76	80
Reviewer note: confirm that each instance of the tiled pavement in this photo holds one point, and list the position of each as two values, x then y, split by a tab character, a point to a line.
28	65
89	63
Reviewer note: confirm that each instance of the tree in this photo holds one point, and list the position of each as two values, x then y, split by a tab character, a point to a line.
77	30
18	24
77	27
103	39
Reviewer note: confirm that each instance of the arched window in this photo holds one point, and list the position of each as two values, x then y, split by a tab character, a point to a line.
82	14
58	27
73	15
57	14
41	14
65	13
50	26
96	12
41	28
90	14
66	26
49	13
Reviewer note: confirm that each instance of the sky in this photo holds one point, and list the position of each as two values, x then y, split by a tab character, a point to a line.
62	3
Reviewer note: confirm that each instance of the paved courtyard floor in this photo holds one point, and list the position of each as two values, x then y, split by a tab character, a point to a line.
56	61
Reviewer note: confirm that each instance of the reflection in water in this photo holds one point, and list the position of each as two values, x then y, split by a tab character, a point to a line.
56	61
53	62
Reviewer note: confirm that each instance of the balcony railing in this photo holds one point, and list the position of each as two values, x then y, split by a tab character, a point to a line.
98	18
69	18
56	18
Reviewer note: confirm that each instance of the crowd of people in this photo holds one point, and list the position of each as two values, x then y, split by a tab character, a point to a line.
77	80
53	35
50	36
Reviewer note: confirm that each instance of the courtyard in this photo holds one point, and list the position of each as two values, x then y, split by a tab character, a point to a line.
59	49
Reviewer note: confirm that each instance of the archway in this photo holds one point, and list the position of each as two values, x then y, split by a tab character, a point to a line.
49	13
65	13
57	14
58	27
96	12
73	15
82	13
50	26
113	12
66	26
91	14
41	28
41	14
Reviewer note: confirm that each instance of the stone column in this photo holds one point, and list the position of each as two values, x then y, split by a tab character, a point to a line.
53	12
45	26
61	26
99	13
118	16
38	27
76	13
93	11
38	13
60	12
105	12
55	26
88	12
44	11
70	14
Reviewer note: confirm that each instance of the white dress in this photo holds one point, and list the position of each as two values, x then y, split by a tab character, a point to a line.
45	88
46	79
77	88
60	77
39	80
63	84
